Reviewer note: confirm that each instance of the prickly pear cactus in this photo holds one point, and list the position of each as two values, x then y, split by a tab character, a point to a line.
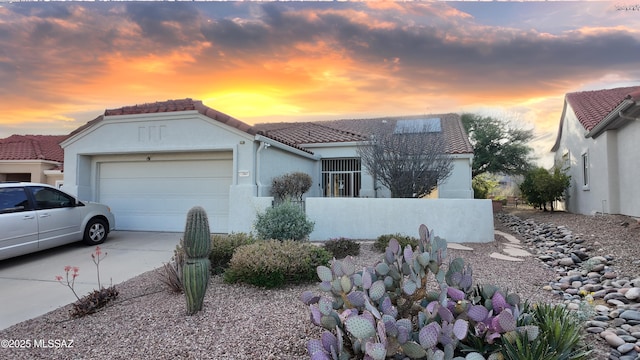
196	269
390	310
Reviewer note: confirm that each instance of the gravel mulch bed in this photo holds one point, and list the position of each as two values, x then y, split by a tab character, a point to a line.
245	322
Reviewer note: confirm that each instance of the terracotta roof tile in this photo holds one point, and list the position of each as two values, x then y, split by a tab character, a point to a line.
181	105
348	130
32	147
184	105
591	107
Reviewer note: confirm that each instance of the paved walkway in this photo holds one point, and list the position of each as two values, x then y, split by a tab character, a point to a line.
511	249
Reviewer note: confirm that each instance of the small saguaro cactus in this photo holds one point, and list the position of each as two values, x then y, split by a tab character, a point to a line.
197	245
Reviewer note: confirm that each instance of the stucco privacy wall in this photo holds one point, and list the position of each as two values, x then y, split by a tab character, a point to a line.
456	220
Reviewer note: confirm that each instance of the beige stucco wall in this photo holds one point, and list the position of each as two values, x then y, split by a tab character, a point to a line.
41	171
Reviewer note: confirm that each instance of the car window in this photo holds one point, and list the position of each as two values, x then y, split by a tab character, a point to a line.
48	198
13	200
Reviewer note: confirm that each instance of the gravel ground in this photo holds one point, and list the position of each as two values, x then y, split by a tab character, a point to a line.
245	322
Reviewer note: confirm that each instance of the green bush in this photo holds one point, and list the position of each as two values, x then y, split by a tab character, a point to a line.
560	331
342	247
383	241
286	221
274	263
222	248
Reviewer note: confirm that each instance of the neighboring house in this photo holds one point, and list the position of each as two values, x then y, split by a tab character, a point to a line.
36	158
150	163
598	142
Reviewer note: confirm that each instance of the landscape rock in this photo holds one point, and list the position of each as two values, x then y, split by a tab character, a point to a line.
584	275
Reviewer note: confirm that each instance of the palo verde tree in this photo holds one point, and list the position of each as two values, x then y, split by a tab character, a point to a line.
410	162
541	186
497	147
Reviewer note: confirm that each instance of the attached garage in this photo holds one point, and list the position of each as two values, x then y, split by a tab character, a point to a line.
155	194
152	162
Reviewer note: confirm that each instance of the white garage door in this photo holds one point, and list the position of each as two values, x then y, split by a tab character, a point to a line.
156	195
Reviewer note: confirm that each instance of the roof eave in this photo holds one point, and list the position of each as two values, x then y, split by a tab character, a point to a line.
556	146
286	147
609	119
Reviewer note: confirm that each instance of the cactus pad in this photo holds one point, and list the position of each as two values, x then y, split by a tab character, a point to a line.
360	327
474	356
460	329
356	298
345	283
408	254
409	287
377	290
382	269
376	351
478	313
328	322
413	350
329	341
348	268
428	335
309	298
324	273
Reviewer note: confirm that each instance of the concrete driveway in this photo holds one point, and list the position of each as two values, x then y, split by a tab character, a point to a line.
27	283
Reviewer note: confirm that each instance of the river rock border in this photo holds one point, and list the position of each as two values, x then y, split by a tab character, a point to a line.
609	302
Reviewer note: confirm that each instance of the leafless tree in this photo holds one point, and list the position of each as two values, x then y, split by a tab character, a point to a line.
409	162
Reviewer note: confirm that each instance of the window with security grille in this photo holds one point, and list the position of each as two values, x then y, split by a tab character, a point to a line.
341	177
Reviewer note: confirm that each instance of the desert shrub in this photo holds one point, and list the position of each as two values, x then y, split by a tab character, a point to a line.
383	241
342	247
290	186
222	248
285	221
274	263
171	275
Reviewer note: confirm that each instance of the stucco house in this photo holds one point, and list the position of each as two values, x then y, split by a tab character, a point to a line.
342	173
37	158
597	142
152	162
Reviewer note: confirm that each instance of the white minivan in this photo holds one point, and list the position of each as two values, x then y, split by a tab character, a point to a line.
35	217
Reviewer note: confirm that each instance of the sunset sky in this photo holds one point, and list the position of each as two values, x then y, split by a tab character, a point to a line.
62	64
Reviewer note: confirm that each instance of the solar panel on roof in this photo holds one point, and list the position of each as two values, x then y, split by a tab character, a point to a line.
418	126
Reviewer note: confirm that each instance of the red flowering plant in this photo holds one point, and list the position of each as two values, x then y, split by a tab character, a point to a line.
95	256
94	300
70	282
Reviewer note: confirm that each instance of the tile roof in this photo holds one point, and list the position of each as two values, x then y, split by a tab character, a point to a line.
348	130
182	105
170	106
591	107
32	147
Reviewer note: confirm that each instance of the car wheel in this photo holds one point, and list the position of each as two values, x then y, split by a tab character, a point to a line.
96	232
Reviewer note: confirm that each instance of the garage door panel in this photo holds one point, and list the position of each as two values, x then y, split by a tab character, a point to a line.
156	196
164	188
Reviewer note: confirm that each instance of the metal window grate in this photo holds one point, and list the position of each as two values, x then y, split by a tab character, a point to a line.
341	177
